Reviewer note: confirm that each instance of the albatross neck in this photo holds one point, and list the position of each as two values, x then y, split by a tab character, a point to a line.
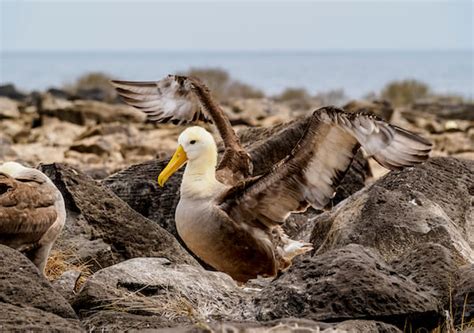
199	178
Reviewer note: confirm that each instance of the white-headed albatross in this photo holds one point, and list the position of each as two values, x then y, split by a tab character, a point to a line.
32	212
232	221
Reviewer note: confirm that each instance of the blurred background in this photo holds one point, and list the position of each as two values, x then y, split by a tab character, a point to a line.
267	62
352	48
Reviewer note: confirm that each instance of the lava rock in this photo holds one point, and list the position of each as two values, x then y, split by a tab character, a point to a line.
432	266
406	208
287	325
463	297
27	301
66	284
28	319
352	282
156	287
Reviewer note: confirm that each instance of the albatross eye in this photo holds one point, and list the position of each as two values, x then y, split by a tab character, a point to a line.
192	142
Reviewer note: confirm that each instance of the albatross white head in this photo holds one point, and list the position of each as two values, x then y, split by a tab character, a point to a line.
18	171
198	149
12	168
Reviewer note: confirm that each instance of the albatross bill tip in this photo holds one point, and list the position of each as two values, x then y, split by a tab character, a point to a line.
178	159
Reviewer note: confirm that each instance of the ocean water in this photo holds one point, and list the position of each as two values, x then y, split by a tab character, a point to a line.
356	72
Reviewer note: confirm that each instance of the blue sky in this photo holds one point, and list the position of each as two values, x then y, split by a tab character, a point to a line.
230	25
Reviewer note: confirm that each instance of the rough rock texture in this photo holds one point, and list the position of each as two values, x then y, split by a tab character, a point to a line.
406	208
432	266
22	285
348	283
66	284
28	319
463	296
27	300
102	225
288	326
156	287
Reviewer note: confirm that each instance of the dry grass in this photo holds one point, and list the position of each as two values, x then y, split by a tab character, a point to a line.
448	326
60	262
166	306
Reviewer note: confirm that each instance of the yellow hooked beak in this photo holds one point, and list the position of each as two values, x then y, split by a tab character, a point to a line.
178	159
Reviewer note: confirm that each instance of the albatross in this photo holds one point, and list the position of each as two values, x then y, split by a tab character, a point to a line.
32	212
231	218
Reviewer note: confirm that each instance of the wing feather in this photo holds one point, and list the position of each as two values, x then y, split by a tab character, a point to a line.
318	163
168	100
27	210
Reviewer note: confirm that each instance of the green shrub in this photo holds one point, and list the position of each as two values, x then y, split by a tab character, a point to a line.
404	92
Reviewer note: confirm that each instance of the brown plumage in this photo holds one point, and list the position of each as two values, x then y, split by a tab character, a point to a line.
235	225
32	212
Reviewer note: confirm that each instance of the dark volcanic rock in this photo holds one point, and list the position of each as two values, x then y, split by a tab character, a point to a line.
95	214
27	319
119	321
156	287
10	91
27	301
22	285
288	326
429	203
431	266
348	283
463	296
66	284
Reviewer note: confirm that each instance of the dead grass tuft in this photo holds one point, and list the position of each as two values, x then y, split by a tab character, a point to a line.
62	261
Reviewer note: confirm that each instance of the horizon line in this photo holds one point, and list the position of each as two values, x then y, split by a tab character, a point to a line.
234	50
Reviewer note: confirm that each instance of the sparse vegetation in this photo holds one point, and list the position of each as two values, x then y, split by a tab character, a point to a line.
404	92
332	97
291	94
94	84
222	85
61	261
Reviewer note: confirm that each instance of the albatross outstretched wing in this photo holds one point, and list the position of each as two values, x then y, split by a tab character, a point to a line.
180	100
310	174
169	100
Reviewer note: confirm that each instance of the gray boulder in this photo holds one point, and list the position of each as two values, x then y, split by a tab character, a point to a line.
155	287
288	325
28	319
27	300
352	282
429	203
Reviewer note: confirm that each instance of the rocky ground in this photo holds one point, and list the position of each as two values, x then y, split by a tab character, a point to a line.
395	252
